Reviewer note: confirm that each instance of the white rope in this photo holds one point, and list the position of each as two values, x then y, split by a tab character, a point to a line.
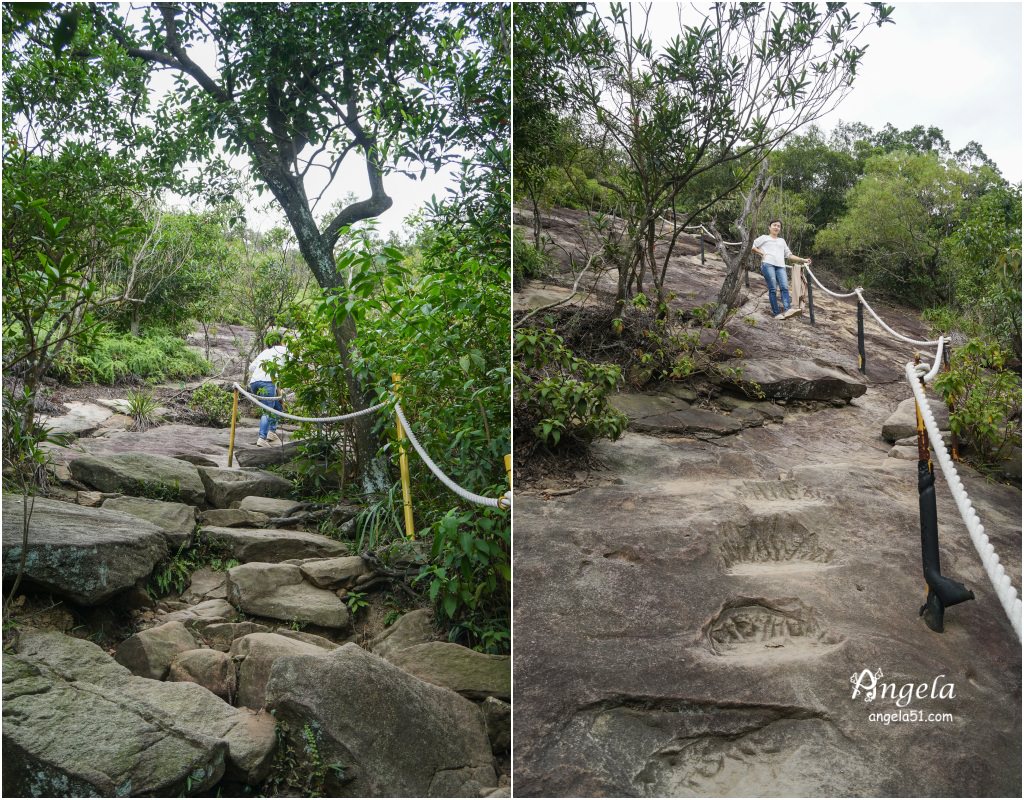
282	414
989	558
505	501
823	287
900	336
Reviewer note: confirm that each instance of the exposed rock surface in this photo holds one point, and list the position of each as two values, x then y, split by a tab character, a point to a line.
225	486
797	379
397	735
271	506
185	708
903	421
211	669
56	701
80	420
149	653
412	628
221	635
471	674
232	518
183	442
333	573
688	623
257	653
204	613
206	584
141	474
176	520
84	554
278	591
268	456
272	544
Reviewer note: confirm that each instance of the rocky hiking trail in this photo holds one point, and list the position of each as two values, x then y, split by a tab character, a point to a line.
255	678
689	615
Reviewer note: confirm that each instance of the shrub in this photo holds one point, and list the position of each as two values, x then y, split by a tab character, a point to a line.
985	398
212	405
155	357
561	398
527	260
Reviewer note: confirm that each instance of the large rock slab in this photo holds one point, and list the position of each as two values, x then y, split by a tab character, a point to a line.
271	506
903	421
396	735
796	379
149	653
81	419
211	669
279	592
412	628
186	442
141	475
761	577
333	573
471	674
257	653
176	520
232	518
182	707
84	554
221	635
692	421
225	486
268	456
272	544
65	736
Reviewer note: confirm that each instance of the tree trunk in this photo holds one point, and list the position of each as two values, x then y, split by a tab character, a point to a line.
135	320
735	262
319	257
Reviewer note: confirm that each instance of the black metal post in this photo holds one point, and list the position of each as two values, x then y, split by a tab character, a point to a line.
860	338
702	247
810	300
942	592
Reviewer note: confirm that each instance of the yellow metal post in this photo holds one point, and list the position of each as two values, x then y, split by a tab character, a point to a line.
403	465
234	416
508	469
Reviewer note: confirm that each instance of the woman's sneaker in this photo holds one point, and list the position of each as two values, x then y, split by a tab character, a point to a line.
273	438
261	442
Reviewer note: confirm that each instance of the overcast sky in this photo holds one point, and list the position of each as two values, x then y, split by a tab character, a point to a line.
956	66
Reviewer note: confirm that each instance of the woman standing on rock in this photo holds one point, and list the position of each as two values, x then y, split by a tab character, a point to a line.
774	251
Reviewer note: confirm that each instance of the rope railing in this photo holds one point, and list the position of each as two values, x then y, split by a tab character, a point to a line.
825	289
257	400
503	502
918	376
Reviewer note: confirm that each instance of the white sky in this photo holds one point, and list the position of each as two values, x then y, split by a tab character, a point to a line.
956	66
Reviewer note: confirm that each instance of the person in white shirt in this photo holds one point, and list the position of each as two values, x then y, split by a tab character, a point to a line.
261	383
774	251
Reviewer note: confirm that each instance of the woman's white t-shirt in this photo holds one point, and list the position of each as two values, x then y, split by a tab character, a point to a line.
275	354
776	251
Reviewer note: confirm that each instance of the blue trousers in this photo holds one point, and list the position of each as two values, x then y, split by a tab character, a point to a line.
776	277
268	423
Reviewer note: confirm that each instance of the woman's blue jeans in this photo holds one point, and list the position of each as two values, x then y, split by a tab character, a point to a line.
776	276
268	423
